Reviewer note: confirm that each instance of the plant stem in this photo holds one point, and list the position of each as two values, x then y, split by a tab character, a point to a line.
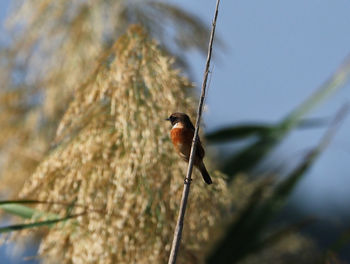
187	182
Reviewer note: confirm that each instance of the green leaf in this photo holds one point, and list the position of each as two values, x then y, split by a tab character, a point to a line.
238	132
329	87
241	131
15	207
248	158
244	235
237	237
284	188
18	210
49	223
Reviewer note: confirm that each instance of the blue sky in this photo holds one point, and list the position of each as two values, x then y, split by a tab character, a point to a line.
277	53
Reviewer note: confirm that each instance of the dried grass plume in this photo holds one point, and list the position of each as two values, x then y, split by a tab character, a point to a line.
114	153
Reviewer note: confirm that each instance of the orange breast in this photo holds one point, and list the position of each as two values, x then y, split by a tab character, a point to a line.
182	140
181	135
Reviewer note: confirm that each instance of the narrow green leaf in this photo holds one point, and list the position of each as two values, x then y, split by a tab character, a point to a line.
238	132
329	87
241	131
18	210
248	158
49	223
241	240
243	236
236	234
15	207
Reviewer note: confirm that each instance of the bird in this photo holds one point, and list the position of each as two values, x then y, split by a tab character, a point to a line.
181	135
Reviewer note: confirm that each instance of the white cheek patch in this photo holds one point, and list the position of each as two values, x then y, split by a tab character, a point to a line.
178	125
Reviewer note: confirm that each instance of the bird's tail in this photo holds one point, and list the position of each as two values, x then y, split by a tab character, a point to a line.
205	174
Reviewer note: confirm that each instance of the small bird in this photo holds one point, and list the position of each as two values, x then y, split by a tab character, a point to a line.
182	135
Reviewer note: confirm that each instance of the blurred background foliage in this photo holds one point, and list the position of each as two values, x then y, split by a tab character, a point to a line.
86	86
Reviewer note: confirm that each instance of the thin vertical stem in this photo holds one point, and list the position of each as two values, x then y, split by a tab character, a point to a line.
187	182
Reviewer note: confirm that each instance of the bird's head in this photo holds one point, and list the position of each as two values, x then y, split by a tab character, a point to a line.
181	119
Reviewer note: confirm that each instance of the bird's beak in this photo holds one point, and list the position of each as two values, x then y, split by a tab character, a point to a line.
167	119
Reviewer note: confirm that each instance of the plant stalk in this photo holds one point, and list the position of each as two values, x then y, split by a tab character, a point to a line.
187	182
